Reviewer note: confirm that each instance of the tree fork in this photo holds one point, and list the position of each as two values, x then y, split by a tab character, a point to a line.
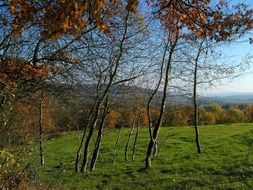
153	139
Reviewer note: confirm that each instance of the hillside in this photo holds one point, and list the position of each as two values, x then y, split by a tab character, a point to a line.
226	162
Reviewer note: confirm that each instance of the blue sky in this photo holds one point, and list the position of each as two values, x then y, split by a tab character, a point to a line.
236	52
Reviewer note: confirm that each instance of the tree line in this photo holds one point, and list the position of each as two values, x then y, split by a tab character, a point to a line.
60	117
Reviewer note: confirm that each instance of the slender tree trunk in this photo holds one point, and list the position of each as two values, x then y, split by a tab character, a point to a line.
151	146
129	138
78	153
153	139
99	137
97	146
116	144
155	149
86	150
88	139
94	123
92	127
101	100
196	114
149	153
42	160
195	104
150	122
135	140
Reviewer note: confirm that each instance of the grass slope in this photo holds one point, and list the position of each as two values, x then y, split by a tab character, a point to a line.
226	162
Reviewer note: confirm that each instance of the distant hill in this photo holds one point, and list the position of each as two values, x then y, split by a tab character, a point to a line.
235	99
130	92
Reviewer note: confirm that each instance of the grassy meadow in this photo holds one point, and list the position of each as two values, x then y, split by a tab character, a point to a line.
226	162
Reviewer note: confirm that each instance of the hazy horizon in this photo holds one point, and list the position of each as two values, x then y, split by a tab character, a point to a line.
235	52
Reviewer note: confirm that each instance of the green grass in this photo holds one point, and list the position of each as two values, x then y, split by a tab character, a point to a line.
226	162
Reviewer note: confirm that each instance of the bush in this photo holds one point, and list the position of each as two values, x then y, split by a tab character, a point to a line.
206	117
234	115
218	112
248	113
13	178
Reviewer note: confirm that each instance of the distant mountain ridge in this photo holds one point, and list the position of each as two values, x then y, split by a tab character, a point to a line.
173	98
230	98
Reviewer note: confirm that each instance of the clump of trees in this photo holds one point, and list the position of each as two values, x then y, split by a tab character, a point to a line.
183	115
215	114
58	116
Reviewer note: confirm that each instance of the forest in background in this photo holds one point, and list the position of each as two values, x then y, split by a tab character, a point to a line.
68	111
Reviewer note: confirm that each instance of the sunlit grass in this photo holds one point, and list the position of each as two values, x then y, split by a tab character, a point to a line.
226	162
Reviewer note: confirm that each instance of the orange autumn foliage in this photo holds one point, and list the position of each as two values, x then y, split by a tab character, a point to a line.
13	70
204	19
113	119
25	117
59	17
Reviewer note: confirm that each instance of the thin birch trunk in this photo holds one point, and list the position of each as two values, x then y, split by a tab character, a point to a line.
42	159
129	138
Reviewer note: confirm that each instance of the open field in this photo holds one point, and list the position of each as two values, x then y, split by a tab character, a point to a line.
226	162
